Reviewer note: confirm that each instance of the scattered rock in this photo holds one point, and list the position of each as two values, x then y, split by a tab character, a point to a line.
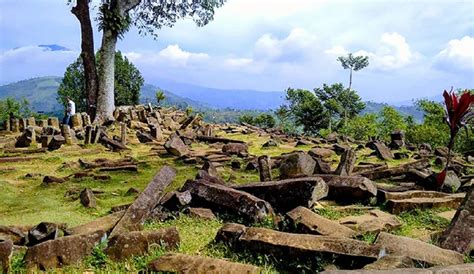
235	149
144	137
418	250
16	234
56	142
448	215
460	234
321	153
347	163
137	243
43	232
383	152
264	168
306	221
6	250
398	139
176	201
145	202
297	164
47	180
180	263
175	146
349	188
451	182
270	143
203	213
374	221
87	198
287	194
132	191
235	201
61	252
105	224
396	206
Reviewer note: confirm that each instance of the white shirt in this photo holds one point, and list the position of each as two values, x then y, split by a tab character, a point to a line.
71	107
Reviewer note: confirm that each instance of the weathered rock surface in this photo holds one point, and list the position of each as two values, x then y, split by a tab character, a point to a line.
202	213
264	168
347	163
349	188
175	146
235	149
383	152
398	139
418	250
391	262
145	202
61	252
287	194
136	243
296	164
6	250
236	201
18	235
306	221
396	171
374	221
87	198
460	234
105	224
181	263
43	232
175	201
396	206
321	152
287	245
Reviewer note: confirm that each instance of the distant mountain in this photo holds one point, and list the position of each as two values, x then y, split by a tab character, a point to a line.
40	92
226	98
54	47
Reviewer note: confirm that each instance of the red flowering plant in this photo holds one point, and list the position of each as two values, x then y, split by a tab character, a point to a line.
458	114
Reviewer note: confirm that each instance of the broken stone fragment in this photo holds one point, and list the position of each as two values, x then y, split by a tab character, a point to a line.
235	201
175	146
287	194
349	188
374	221
452	269
460	234
145	202
43	232
180	263
137	243
347	163
306	221
418	250
235	149
6	250
202	213
391	262
87	198
296	164
62	251
105	224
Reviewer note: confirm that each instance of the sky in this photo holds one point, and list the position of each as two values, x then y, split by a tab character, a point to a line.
416	48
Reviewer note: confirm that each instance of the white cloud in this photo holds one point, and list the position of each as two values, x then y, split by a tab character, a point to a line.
172	55
238	62
291	48
393	52
33	61
458	54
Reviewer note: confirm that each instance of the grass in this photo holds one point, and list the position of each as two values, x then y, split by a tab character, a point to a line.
421	224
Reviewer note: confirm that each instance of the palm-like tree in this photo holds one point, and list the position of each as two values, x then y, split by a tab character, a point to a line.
354	63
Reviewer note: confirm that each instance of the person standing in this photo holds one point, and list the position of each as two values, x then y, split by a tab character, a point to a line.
70	111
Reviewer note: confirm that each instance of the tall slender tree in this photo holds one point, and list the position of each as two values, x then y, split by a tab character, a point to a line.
81	11
354	63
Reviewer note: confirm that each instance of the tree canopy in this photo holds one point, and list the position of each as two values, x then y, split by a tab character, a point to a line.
354	63
128	82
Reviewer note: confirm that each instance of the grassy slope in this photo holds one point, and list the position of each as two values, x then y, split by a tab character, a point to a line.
26	201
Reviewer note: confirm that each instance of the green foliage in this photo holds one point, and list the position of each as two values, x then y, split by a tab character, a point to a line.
189	110
341	104
361	127
110	19
159	96
98	258
263	120
128	82
390	120
306	110
17	108
421	220
354	63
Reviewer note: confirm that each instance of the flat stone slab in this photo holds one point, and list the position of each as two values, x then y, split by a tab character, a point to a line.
105	223
62	251
180	263
374	221
398	206
418	250
309	222
284	244
217	197
146	201
348	188
137	243
287	194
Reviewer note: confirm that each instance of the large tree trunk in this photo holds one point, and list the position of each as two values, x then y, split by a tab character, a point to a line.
105	99
81	11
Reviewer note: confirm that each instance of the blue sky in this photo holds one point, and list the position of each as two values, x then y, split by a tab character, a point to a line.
416	48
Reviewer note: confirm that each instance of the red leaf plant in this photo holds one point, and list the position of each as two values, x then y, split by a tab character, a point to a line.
458	113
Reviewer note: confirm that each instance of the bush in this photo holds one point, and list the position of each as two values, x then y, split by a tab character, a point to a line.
361	127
